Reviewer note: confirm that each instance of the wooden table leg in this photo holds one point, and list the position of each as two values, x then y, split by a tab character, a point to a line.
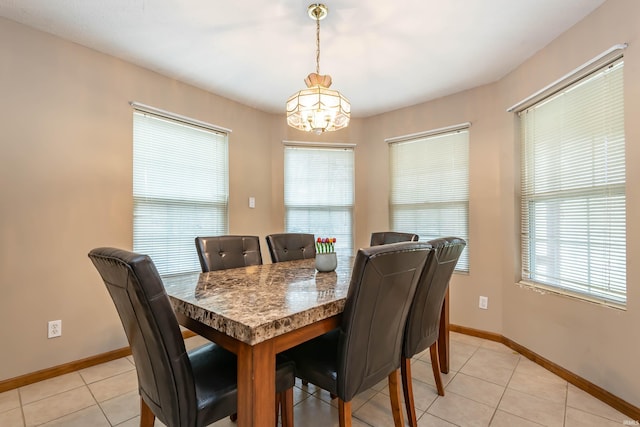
256	385
443	338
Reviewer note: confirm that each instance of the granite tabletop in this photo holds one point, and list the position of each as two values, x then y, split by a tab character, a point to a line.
256	303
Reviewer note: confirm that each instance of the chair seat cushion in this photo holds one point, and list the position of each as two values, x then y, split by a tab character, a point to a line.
316	361
214	373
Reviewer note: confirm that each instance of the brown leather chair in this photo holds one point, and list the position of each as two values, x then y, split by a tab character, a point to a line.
366	347
291	246
423	321
386	237
180	388
223	252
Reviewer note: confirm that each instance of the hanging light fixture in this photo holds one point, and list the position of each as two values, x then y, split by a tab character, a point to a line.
318	108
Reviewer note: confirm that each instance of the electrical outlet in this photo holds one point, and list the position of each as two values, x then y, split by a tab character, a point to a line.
54	328
484	303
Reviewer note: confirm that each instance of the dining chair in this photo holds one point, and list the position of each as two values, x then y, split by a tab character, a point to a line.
423	321
223	252
386	237
291	246
180	388
367	345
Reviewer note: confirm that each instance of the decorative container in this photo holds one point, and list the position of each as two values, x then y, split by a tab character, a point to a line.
326	262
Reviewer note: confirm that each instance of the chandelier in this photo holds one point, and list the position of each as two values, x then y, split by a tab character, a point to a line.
318	109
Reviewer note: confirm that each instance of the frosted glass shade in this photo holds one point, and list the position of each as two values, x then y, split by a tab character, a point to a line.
318	109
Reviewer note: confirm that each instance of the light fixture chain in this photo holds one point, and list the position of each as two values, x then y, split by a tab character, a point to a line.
317	13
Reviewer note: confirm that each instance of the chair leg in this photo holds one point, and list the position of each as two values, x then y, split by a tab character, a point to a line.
286	408
435	365
407	389
147	418
394	395
344	413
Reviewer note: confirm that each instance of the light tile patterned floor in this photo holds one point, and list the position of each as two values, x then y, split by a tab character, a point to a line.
489	385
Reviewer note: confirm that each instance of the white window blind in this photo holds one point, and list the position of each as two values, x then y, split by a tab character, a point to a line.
180	189
573	189
430	187
319	193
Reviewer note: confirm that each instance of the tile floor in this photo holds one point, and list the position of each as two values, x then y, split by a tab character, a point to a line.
489	385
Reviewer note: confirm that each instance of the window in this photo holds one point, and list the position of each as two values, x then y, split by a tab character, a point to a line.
430	185
180	189
318	193
573	188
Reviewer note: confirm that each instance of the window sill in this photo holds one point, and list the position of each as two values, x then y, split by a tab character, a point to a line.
544	289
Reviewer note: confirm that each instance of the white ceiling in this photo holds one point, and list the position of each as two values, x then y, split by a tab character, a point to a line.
382	54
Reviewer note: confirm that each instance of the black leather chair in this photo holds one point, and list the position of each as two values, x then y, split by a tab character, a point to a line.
386	237
223	252
291	246
423	321
180	388
367	346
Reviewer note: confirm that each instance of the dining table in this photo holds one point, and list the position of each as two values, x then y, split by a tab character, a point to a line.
259	311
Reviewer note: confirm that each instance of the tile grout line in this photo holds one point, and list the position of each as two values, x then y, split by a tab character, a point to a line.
305	394
426	411
506	386
94	397
24	419
566	404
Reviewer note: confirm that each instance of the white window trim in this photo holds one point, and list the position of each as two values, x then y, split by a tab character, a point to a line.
572	76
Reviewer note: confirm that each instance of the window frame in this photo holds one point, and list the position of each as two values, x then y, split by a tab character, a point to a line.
435	207
157	201
349	210
593	292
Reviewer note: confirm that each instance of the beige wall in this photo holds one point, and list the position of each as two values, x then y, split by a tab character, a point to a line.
66	187
66	168
595	342
598	343
479	107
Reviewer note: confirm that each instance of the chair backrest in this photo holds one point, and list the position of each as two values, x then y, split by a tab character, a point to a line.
223	252
424	316
291	246
386	237
383	282
165	376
